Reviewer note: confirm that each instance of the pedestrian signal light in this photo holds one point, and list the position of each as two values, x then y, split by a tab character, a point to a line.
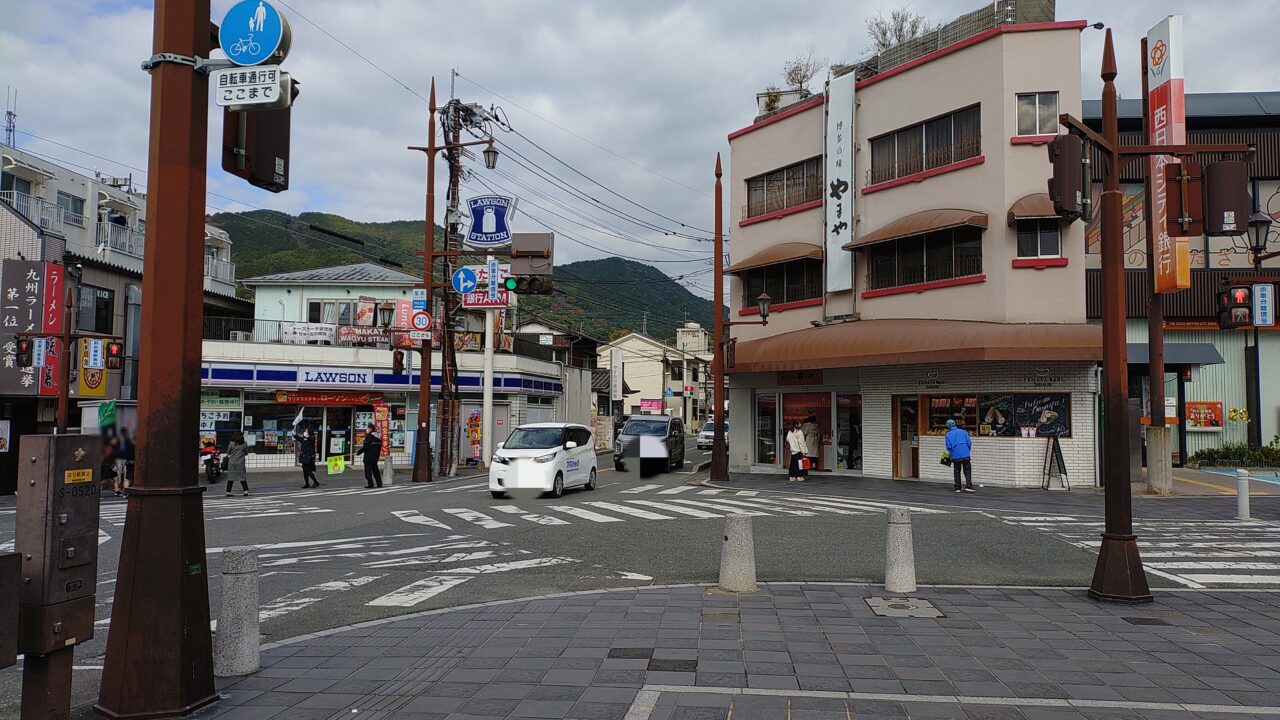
1235	307
397	362
26	351
115	355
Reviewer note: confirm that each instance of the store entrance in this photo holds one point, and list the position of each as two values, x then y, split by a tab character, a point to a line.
906	448
337	436
813	411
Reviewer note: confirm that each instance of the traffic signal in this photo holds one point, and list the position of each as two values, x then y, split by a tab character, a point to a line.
397	362
529	284
26	351
115	355
1235	307
1226	198
255	145
1066	187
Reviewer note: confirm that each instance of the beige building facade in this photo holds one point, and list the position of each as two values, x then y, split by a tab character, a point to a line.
967	297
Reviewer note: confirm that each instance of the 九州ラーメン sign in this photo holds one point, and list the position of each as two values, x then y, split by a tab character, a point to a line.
30	302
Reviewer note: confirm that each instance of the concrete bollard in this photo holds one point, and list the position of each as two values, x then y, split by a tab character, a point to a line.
388	473
900	557
738	556
235	647
1159	461
1242	494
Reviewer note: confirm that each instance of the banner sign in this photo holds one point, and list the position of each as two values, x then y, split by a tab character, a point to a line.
615	375
93	380
300	333
837	196
1167	118
215	400
651	406
1204	416
490	221
382	418
305	397
366	310
352	334
30	302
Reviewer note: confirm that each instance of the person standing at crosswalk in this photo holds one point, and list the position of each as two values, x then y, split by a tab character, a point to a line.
236	466
799	450
371	449
306	456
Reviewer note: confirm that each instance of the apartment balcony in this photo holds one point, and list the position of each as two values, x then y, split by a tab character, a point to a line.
48	216
219	276
121	238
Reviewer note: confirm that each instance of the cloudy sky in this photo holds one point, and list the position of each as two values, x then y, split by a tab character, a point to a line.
636	95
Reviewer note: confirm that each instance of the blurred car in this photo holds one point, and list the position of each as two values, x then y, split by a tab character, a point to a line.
708	435
544	456
652	440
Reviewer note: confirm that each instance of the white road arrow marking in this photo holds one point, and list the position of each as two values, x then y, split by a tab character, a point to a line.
531	517
309	596
477	518
417	518
426	588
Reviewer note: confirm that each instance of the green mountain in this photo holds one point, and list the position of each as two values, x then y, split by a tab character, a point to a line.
600	298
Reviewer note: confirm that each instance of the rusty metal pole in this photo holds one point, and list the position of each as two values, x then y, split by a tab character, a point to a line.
1118	575
719	452
422	454
159	659
64	382
1155	305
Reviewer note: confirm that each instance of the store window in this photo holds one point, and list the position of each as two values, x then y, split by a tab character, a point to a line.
1038	113
931	144
848	437
1039	238
268	427
1025	415
961	408
784	188
97	310
943	255
813	411
767	429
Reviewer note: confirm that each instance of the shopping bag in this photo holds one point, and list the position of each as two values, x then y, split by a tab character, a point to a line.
946	459
806	463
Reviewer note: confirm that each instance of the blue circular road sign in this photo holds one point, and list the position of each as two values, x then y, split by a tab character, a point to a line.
252	32
464	280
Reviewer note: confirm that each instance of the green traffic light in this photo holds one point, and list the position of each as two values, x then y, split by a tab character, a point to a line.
509	283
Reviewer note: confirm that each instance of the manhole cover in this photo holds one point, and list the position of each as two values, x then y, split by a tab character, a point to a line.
904	608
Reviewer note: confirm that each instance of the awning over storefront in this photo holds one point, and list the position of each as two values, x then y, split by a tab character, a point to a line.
1032	207
920	223
906	342
782	252
1177	354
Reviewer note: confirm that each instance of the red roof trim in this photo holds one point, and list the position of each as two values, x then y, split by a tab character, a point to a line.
781	213
921	287
970	41
923	174
814	102
1040	263
780	307
1031	139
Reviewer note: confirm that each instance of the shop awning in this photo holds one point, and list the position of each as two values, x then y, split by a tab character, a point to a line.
908	342
1177	354
780	253
23	169
1031	207
920	223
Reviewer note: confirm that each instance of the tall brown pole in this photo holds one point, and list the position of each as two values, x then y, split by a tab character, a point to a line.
159	660
422	453
1118	574
719	452
1155	306
64	347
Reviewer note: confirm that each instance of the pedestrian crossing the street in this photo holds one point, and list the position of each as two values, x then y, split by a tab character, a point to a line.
1193	553
650	503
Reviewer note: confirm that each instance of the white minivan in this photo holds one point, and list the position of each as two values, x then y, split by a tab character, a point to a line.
544	456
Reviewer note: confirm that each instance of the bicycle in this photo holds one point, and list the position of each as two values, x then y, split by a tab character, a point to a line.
242	45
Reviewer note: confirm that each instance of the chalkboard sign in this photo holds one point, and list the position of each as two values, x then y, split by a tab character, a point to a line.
1046	415
996	416
1054	465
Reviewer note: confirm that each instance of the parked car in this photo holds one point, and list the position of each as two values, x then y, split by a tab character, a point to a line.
544	456
708	435
650	439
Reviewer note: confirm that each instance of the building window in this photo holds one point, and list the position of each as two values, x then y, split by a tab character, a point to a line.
72	208
334	312
785	282
931	144
942	255
96	311
1039	238
781	189
1038	113
677	370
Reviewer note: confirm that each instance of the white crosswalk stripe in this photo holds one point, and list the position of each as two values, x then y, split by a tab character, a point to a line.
639	489
711	491
531	517
731	509
1194	553
676	490
676	509
457	488
477	518
585	514
625	510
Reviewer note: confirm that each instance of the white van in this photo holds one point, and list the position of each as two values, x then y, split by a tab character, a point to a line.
544	456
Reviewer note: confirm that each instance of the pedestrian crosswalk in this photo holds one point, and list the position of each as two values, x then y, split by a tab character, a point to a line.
232	508
1193	553
650	503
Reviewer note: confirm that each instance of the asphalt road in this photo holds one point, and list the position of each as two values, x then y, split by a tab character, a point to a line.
343	554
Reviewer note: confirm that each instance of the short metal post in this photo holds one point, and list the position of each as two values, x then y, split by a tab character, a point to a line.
1242	494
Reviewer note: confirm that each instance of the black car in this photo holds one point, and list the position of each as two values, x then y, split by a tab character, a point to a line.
651	439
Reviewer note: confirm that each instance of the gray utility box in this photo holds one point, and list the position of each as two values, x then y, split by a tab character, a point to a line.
58	500
10	571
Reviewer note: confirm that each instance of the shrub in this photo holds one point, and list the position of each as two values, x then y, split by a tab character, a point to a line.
1239	455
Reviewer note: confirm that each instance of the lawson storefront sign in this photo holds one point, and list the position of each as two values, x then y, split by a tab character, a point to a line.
290	377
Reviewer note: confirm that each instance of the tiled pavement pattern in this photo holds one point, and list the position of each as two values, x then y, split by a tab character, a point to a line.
641	654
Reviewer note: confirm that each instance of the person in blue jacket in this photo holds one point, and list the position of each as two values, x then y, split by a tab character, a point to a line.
960	447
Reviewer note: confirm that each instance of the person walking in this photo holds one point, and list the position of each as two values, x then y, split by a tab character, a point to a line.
798	450
960	449
236	470
812	439
371	448
110	449
124	463
307	457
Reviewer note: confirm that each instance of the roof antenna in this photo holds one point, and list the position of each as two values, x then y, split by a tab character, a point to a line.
10	118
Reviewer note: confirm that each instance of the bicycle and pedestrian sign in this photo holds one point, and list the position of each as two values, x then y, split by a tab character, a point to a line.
252	32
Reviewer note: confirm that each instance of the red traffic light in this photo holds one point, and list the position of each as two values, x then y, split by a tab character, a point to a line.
1240	296
1235	307
397	362
115	355
26	352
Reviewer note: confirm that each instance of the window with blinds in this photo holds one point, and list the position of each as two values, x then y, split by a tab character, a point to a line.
924	146
784	188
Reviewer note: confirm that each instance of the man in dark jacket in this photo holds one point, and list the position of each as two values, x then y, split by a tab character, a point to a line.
371	448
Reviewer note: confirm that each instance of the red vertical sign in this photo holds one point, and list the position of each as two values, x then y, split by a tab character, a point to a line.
50	376
382	418
1168	122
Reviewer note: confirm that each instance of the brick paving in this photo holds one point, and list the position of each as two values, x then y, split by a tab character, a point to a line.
798	651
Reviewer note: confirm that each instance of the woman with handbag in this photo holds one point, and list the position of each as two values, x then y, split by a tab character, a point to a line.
235	460
796	447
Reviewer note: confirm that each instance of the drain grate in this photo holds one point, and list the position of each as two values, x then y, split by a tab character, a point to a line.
902	607
1145	621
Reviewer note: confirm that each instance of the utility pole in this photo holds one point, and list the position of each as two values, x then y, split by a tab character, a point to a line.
70	299
1159	455
422	443
159	658
449	373
719	452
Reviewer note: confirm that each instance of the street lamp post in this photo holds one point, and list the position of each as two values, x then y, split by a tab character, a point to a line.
422	453
1259	228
